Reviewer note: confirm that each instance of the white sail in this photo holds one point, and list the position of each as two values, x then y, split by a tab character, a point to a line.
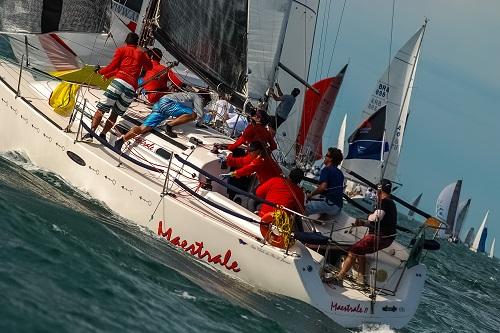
296	55
492	249
393	90
263	54
446	206
66	51
341	138
475	245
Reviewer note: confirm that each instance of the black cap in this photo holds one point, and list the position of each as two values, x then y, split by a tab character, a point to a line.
386	185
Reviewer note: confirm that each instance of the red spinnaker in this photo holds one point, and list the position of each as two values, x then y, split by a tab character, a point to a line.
315	114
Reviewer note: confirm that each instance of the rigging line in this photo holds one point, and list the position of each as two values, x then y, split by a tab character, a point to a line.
328	24
336	36
323	23
388	80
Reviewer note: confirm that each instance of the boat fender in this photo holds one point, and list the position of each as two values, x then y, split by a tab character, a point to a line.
276	228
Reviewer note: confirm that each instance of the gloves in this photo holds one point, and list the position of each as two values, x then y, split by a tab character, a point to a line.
225	175
97	68
222	158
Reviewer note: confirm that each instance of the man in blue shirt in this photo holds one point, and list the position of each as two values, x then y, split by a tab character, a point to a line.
287	102
330	188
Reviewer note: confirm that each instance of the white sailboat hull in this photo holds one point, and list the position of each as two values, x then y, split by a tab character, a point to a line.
231	245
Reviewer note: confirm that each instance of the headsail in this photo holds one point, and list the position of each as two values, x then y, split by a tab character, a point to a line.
479	242
238	45
367	141
393	91
317	109
37	16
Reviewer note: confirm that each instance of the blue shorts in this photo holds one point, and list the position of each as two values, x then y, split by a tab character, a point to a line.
164	109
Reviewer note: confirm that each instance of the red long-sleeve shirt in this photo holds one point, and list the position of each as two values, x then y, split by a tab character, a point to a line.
264	167
127	63
255	132
283	192
156	84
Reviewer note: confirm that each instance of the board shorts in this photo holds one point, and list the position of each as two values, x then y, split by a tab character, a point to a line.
117	97
368	244
163	109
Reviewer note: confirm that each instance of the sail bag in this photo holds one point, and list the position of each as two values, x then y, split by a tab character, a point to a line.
63	98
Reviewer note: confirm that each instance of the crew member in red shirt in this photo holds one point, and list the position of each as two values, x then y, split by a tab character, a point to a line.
257	160
126	66
256	131
284	192
155	82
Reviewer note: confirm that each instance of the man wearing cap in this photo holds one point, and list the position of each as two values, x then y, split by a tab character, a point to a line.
257	160
327	197
381	232
256	131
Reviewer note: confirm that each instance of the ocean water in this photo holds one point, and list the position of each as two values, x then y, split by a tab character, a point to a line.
68	264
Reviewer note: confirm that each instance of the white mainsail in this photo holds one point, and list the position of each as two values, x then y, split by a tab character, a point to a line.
475	245
296	55
263	45
492	249
393	90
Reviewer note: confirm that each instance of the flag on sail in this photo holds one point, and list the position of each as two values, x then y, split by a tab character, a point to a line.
43	16
366	142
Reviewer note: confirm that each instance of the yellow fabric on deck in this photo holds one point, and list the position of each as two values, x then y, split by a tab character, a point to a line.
63	98
85	75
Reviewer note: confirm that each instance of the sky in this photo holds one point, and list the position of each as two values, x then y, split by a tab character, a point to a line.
453	130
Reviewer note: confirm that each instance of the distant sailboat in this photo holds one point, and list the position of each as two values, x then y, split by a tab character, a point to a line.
469	238
386	113
446	207
492	249
479	242
462	210
414	203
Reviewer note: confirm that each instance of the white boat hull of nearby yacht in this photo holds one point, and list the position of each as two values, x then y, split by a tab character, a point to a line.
229	244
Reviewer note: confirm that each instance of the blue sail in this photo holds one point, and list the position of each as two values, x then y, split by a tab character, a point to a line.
482	242
366	142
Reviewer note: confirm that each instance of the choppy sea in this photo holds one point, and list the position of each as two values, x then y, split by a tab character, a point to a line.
69	264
